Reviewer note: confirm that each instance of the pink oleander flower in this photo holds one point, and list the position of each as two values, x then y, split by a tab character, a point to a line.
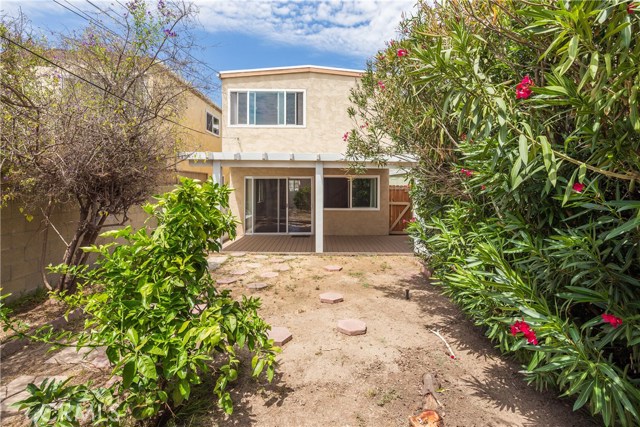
520	326
402	53
579	187
483	187
523	89
345	136
381	84
467	172
632	7
612	320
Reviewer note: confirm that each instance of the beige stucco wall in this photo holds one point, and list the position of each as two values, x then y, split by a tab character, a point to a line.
21	243
347	222
195	117
326	103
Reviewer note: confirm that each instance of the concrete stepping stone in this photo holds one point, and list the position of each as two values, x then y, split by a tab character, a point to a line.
253	265
281	267
280	335
256	286
70	355
278	260
198	308
226	280
240	272
352	327
331	297
333	267
261	257
289	257
15	391
214	262
268	274
237	254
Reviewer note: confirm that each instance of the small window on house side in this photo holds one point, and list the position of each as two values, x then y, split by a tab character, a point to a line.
213	124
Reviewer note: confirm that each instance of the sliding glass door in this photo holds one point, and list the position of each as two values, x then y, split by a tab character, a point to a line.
278	205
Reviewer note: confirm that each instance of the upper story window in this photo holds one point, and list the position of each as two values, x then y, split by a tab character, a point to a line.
213	124
266	108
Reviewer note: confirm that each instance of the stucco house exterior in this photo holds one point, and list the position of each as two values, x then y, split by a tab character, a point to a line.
202	115
283	154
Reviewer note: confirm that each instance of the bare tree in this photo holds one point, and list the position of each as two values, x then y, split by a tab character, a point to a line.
95	120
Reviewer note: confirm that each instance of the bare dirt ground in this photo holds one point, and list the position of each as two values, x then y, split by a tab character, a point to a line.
326	378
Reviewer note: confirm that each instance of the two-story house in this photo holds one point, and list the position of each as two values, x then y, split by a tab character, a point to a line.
283	154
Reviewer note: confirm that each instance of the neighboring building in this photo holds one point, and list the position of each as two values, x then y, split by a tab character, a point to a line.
205	117
283	154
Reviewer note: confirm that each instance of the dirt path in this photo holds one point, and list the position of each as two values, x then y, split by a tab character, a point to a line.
330	379
326	378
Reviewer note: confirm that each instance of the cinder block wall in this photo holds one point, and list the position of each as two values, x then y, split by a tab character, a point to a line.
21	243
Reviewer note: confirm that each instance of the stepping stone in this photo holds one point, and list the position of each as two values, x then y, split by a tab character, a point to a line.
281	268
198	308
16	391
237	254
279	260
253	265
331	297
280	335
214	262
352	327
289	257
70	355
101	361
257	285
268	274
240	272
333	267
226	280
261	257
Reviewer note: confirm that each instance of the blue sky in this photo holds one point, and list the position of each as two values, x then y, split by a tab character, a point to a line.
259	33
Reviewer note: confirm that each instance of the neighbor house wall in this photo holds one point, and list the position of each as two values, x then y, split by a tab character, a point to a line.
326	119
195	117
346	222
21	243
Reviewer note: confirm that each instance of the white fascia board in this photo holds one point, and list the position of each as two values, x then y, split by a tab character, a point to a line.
293	158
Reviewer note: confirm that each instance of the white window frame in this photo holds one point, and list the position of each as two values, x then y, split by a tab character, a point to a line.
350	179
304	108
214	130
287	178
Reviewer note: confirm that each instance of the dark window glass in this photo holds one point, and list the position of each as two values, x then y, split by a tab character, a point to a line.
336	193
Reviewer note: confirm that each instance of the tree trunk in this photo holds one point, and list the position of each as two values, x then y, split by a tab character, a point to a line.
45	241
72	247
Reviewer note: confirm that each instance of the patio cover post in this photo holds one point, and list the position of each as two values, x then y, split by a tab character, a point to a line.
217	172
319	203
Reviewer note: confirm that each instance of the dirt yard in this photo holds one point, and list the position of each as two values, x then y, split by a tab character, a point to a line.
326	378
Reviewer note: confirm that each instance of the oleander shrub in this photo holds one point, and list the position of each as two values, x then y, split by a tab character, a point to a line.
523	118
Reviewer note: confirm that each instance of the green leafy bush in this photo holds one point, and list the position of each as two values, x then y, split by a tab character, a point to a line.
524	119
151	302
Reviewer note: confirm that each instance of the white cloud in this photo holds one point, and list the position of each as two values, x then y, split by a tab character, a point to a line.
357	28
352	27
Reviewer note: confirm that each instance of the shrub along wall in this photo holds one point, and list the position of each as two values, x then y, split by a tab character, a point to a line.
21	242
525	118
